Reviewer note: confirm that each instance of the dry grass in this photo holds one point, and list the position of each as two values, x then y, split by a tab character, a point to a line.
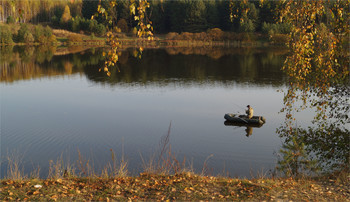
65	33
15	168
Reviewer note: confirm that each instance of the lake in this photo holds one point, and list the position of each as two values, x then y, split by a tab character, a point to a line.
54	105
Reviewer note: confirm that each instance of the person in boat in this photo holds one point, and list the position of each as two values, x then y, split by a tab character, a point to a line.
249	112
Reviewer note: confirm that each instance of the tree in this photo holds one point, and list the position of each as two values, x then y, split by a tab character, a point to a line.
318	70
66	15
295	161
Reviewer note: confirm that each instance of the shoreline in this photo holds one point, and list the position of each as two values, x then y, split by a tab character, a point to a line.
180	186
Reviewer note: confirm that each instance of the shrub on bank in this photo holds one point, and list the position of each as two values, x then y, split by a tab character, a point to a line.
215	34
44	35
280	28
5	35
28	38
24	35
78	24
171	35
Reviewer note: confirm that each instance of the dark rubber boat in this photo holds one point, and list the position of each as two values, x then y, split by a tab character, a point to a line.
244	120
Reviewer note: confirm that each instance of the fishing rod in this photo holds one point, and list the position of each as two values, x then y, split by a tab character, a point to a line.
238	106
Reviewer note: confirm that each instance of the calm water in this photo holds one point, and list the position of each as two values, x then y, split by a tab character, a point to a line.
54	105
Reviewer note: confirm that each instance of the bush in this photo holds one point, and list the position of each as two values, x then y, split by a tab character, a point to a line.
28	38
171	35
52	39
100	30
92	25
5	36
10	20
47	31
281	28
215	34
23	30
43	35
38	32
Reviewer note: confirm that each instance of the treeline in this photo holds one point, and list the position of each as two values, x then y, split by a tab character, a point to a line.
199	15
166	16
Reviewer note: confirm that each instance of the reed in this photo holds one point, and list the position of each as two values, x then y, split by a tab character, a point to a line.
15	168
61	169
164	161
115	168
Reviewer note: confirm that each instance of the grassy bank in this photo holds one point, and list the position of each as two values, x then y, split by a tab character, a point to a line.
182	186
163	179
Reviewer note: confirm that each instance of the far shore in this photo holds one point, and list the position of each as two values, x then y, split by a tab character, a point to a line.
213	37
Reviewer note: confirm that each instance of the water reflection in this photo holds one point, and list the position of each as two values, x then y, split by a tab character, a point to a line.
249	127
157	66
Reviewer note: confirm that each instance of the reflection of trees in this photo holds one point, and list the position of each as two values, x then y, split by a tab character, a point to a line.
155	67
159	67
217	52
26	62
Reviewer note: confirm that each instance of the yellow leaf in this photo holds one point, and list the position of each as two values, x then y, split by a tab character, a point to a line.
187	190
